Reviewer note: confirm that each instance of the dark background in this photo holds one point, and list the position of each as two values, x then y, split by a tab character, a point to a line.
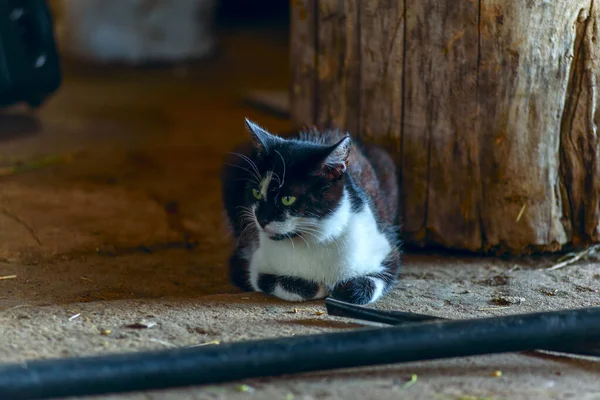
247	13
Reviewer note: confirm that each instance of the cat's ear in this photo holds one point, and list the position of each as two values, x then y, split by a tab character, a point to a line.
336	162
263	140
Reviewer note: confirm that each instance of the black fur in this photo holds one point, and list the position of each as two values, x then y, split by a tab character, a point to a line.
238	271
267	283
305	289
359	290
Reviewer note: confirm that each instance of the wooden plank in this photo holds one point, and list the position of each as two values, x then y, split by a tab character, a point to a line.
382	56
338	65
440	142
303	62
490	106
525	62
580	144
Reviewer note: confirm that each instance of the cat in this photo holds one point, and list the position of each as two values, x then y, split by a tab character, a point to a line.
313	215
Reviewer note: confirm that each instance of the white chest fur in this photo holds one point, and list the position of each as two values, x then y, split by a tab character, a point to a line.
355	248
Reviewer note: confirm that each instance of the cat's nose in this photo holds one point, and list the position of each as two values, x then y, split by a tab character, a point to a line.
264	224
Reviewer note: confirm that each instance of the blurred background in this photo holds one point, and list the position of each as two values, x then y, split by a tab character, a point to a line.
151	30
123	158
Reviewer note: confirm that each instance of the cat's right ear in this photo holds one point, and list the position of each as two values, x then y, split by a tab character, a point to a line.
263	140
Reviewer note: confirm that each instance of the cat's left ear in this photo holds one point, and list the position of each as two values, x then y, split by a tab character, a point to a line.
263	140
336	162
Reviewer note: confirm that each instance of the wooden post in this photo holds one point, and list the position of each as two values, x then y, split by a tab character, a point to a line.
491	108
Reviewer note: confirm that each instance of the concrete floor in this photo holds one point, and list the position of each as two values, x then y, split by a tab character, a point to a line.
91	237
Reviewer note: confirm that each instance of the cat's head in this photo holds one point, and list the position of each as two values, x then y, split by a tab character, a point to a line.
298	184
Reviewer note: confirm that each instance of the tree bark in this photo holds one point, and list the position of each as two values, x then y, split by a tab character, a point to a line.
489	107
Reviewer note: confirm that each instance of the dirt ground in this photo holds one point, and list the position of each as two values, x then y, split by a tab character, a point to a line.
106	236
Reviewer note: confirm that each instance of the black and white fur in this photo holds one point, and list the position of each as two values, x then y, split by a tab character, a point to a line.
340	236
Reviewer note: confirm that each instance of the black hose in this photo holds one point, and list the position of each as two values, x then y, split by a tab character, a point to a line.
275	357
346	310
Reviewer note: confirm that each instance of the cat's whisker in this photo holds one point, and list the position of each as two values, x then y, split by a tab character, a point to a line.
291	240
313	215
244	169
249	219
309	222
245	209
276	176
245	214
314	228
254	181
247	229
248	216
336	241
244	231
311	233
283	161
305	241
316	238
249	161
310	228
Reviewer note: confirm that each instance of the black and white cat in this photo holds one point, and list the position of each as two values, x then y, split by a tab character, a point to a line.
314	215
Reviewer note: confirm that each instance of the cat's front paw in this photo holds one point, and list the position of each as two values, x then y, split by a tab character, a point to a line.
238	272
291	288
360	290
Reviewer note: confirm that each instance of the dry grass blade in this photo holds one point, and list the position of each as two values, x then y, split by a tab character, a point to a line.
565	257
92	324
163	342
7	277
576	257
34	164
74	317
212	342
521	212
412	381
492	308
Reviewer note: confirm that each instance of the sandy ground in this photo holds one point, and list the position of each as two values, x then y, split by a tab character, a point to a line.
130	229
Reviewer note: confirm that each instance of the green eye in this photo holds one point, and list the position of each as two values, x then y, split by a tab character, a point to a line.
288	200
256	194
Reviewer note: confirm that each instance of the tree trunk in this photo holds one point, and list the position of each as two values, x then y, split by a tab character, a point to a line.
489	106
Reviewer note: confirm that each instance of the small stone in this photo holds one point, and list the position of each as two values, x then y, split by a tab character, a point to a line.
142	325
507	300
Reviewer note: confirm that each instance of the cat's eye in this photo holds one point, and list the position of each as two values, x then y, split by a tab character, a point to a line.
257	195
288	200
